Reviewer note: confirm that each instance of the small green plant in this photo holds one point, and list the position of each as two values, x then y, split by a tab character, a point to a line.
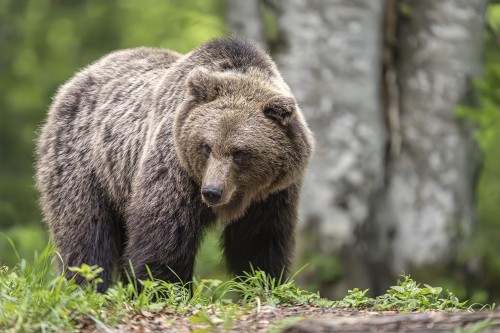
406	296
257	286
89	273
356	299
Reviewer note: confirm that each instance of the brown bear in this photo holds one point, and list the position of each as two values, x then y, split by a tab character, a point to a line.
146	148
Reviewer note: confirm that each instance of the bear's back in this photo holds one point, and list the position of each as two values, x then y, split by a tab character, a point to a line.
96	121
131	63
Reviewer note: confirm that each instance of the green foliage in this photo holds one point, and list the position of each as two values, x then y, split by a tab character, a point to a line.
33	299
19	240
484	250
209	259
328	269
256	286
406	296
89	273
488	115
356	299
493	15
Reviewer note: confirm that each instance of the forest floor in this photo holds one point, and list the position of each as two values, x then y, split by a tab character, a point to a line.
32	299
305	318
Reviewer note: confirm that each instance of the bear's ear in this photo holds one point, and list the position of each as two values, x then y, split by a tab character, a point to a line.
203	86
280	109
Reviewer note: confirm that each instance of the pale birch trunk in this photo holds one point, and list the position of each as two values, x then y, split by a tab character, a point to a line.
332	59
391	186
244	17
429	203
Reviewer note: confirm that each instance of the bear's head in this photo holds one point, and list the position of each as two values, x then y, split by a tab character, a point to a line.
241	138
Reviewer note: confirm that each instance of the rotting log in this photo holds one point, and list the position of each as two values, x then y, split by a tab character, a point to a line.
412	322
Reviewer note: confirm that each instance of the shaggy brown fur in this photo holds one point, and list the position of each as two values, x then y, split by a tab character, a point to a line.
146	148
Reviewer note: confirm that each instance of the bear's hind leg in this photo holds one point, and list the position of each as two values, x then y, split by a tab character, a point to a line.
84	226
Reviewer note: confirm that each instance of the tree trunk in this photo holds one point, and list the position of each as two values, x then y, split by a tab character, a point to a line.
429	201
244	18
331	59
391	185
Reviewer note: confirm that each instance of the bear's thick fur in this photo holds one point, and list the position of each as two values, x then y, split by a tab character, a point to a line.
146	148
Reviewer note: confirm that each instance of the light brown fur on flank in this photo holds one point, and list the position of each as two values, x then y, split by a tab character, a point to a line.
132	140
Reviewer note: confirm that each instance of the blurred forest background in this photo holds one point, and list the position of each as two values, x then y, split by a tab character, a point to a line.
403	97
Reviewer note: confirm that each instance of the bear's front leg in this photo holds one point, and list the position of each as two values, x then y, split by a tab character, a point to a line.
164	226
167	250
264	237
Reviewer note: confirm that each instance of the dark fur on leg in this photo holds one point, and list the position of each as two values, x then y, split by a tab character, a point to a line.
164	228
264	236
96	236
169	257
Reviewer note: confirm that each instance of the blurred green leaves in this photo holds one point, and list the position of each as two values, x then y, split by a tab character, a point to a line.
484	251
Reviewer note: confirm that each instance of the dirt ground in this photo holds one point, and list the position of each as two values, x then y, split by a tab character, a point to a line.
307	319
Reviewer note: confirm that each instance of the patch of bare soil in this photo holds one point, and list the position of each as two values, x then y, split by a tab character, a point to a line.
307	319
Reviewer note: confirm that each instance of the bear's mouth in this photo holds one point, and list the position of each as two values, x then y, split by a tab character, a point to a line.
229	210
218	204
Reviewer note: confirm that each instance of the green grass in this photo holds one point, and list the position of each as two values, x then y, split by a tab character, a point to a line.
33	299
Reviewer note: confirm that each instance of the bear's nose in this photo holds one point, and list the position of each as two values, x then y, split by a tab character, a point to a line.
211	194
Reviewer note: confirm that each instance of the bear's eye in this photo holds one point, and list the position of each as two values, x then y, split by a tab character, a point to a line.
239	156
205	149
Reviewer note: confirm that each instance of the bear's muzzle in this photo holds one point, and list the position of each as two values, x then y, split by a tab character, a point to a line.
211	194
